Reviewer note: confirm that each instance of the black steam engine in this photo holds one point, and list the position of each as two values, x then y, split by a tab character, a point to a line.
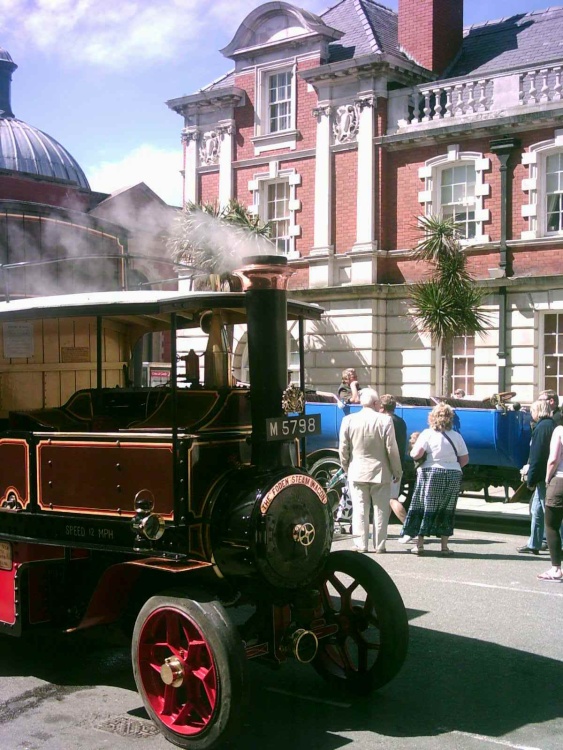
182	509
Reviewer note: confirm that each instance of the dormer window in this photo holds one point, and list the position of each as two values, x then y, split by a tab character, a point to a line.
275	108
279	101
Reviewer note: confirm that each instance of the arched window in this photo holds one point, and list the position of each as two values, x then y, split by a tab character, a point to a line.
544	185
455	187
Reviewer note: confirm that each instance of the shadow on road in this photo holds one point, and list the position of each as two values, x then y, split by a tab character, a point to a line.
448	683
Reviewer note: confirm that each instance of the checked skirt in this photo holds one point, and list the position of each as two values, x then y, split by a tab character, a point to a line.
433	504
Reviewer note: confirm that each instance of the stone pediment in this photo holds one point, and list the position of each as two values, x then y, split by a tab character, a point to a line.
274	24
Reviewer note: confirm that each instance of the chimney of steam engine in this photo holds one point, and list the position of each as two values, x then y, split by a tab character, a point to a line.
264	279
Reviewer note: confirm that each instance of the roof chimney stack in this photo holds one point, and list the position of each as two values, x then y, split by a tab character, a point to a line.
431	31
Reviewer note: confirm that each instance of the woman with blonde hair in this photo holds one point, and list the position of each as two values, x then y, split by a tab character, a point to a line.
438	481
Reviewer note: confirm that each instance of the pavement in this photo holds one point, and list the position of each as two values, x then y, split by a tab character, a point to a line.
474	512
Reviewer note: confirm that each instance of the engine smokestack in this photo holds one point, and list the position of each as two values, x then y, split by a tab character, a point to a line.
264	279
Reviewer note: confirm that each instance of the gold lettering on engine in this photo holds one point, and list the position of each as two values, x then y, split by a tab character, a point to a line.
288	482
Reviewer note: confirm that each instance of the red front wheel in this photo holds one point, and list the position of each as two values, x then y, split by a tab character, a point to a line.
189	666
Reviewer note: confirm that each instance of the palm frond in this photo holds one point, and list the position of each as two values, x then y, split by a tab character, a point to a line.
440	238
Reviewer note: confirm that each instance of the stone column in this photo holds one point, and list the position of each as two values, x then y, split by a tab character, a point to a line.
320	274
365	219
190	138
323	182
226	130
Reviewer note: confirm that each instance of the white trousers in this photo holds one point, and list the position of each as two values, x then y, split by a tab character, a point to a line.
364	496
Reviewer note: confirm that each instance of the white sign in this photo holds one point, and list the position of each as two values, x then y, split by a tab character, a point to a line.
18	340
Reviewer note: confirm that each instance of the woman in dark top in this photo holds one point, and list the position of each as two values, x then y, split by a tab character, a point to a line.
537	464
349	391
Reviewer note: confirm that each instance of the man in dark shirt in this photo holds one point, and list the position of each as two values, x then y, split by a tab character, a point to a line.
537	465
387	406
553	400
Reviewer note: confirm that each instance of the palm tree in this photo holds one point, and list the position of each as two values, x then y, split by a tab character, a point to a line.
448	304
213	240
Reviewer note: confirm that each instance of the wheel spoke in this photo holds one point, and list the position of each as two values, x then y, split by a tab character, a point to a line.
370	644
169	701
173	630
189	705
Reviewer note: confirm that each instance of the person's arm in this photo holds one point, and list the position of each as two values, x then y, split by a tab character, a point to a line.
463	460
419	447
393	450
344	446
355	388
554	454
462	452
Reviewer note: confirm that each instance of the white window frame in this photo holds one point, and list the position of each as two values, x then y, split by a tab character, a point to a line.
468	390
467	206
535	210
265	214
430	197
264	139
259	190
544	355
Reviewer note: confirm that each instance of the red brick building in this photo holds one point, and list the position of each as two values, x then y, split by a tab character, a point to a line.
343	128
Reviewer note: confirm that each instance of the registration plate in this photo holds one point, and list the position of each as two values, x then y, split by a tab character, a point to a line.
286	428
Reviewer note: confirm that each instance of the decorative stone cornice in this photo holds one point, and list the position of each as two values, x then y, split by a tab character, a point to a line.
226	128
365	101
190	134
208	101
323	110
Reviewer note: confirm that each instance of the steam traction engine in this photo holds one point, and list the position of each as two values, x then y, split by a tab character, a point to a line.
180	509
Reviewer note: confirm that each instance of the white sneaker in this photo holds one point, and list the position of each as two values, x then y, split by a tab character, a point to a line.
405	539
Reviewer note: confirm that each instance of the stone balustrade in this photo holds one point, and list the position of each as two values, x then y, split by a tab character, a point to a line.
436	104
430	103
540	85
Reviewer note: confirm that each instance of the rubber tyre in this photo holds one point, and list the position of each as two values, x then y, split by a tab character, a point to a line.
323	470
208	708
371	644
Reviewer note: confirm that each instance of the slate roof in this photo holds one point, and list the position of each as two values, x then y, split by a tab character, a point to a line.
519	41
221	83
523	40
368	27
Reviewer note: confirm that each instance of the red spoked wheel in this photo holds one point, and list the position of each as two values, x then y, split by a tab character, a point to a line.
371	643
189	666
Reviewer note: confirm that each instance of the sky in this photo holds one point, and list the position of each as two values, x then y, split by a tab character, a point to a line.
95	74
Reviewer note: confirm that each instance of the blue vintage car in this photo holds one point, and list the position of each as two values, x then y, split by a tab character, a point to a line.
496	432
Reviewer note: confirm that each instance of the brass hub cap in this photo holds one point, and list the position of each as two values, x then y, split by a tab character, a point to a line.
172	672
304	533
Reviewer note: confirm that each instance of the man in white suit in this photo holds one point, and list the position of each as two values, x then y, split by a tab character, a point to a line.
370	457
